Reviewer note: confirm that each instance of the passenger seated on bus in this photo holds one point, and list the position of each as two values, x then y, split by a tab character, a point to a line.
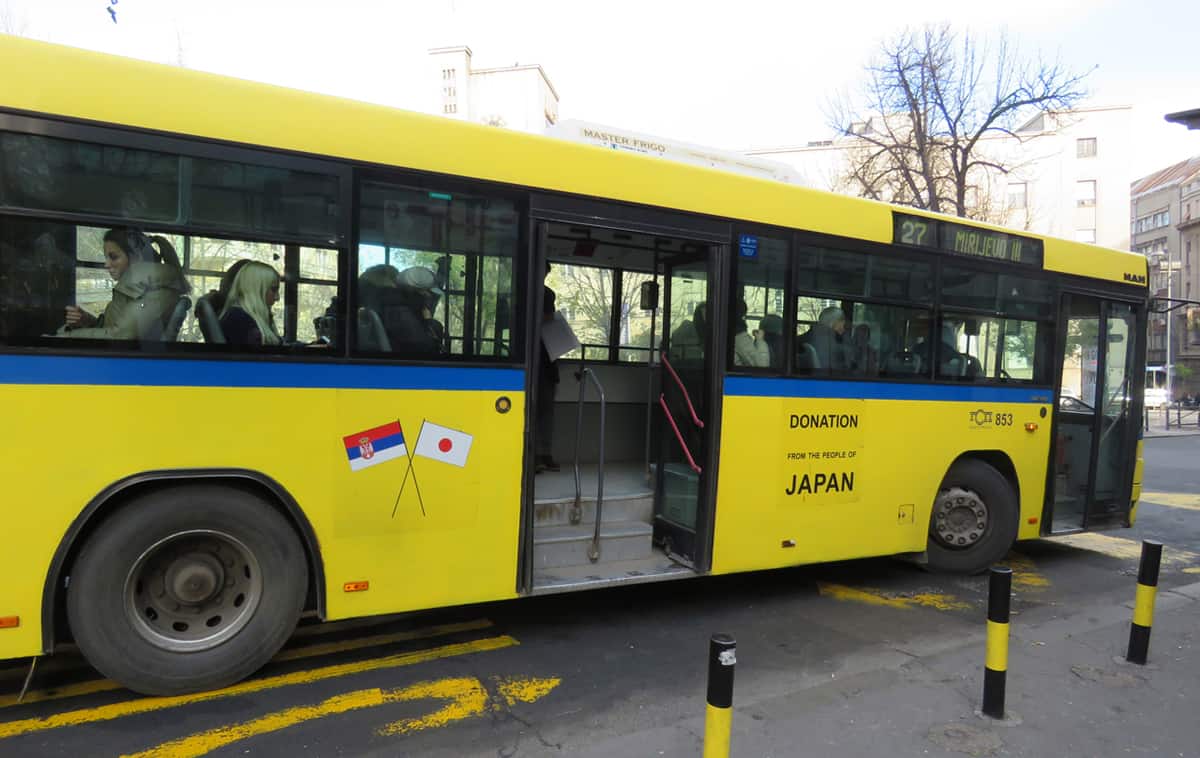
217	297
951	364
405	301
771	330
826	339
748	349
149	284
246	317
863	357
687	341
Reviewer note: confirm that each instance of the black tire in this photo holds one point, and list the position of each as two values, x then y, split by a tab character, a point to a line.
970	487
209	544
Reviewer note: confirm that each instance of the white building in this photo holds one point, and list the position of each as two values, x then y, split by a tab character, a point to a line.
516	97
1070	173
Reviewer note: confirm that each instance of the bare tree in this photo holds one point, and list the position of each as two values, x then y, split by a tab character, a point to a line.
916	133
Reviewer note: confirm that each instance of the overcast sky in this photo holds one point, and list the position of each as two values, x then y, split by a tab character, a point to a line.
731	75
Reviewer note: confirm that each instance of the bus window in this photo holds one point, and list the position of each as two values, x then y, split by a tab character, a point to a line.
435	273
874	340
756	332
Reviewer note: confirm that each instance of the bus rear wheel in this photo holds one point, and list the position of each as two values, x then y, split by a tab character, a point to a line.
974	519
187	589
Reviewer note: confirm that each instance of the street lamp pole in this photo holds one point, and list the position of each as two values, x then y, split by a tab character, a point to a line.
1170	279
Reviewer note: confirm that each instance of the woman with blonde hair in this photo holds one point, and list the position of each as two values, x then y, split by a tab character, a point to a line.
246	317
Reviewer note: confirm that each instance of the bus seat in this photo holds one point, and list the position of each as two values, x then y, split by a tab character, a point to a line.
371	334
806	357
904	363
175	323
210	325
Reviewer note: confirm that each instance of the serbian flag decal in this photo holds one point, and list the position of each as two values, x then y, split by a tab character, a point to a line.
383	443
443	444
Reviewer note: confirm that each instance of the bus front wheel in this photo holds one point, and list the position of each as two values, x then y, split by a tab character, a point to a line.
187	589
974	519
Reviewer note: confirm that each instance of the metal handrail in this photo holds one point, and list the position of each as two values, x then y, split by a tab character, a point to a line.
687	398
576	511
662	400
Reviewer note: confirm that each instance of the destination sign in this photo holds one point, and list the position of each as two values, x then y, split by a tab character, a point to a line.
936	234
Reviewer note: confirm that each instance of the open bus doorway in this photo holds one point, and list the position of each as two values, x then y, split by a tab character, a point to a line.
628	502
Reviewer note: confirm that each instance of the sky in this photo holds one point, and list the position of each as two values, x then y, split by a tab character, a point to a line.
730	75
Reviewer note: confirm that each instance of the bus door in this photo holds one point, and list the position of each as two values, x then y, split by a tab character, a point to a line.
1096	423
682	512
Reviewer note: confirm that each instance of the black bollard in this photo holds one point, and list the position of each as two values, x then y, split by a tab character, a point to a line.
995	672
718	716
1143	605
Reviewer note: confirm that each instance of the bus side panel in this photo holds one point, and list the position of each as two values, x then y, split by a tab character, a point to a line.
807	479
445	535
64	444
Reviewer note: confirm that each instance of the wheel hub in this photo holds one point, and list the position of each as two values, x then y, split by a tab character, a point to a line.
960	518
193	590
194	578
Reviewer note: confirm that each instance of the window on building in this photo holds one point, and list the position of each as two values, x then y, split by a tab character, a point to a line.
1018	198
1085	193
1085	235
435	273
1085	147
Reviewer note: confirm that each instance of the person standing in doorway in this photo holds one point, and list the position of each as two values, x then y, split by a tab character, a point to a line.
547	388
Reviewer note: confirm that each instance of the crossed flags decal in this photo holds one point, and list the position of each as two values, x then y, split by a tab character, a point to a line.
384	443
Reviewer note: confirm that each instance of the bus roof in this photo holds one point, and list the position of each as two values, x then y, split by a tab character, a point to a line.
72	83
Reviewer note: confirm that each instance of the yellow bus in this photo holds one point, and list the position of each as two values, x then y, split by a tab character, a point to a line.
266	353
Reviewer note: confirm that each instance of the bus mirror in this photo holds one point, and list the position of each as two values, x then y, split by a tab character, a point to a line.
971	327
649	295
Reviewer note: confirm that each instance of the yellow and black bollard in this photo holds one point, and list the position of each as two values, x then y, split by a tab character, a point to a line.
995	672
1143	605
718	716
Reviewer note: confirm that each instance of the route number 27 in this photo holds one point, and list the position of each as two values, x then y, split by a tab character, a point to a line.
913	233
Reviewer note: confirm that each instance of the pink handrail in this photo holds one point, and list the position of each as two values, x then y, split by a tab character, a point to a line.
688	398
662	400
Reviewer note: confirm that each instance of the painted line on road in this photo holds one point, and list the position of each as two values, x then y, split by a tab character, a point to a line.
1172	499
93	686
872	596
151	704
467	697
1124	548
1025	574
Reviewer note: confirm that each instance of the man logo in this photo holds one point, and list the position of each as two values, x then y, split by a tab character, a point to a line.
1135	278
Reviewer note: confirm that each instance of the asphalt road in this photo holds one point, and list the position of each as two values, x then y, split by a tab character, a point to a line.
619	672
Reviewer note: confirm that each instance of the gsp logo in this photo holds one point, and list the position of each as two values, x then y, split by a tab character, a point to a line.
980	417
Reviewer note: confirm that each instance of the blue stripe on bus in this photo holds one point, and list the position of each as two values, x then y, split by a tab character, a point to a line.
819	388
147	372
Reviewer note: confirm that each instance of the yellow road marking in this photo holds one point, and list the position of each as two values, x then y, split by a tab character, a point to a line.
311	651
467	695
1123	548
516	690
1172	499
1193	570
150	704
877	597
467	698
1025	575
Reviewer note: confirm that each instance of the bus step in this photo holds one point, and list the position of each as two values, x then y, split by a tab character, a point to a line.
638	507
567	545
